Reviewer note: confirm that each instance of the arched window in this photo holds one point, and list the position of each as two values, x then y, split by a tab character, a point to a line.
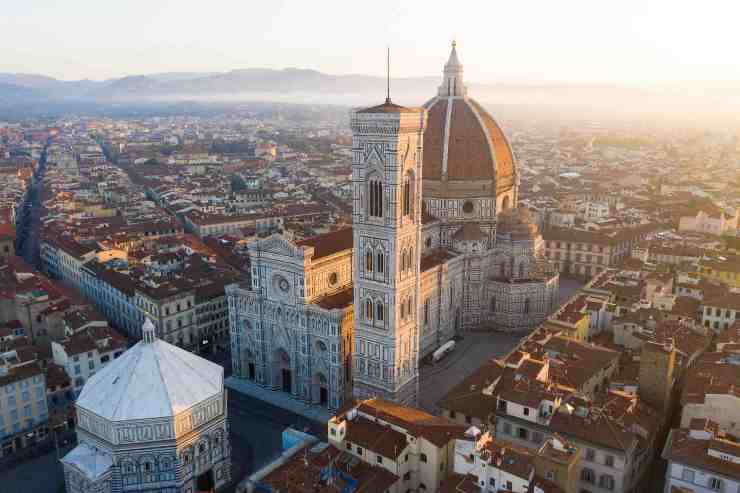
379	313
380	263
526	305
502	270
406	197
376	198
408	307
369	310
426	311
493	303
369	261
521	270
403	310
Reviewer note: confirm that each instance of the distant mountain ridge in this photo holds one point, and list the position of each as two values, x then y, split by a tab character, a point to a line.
209	84
299	85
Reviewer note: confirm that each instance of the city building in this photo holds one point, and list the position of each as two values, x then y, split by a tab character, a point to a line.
717	223
701	459
24	413
720	312
415	446
152	420
84	353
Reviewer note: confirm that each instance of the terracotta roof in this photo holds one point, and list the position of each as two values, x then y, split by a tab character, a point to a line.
21	372
729	300
469	232
341	299
712	373
684	449
381	439
609	423
302	473
438	431
435	258
457	483
467	397
329	243
389	107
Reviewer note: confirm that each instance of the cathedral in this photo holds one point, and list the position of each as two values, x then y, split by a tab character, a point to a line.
437	247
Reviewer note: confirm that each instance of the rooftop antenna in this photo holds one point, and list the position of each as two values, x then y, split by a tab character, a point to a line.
388	74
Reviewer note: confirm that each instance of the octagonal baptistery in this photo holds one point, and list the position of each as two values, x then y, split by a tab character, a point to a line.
152	420
469	169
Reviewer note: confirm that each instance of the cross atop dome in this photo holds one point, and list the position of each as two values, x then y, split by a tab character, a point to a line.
452	79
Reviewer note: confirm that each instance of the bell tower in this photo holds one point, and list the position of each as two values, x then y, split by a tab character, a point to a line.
386	180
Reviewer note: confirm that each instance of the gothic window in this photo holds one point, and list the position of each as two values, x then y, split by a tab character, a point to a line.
409	264
502	270
369	310
408	306
521	270
493	304
403	310
406	197
379	313
369	261
380	262
426	311
526	305
376	198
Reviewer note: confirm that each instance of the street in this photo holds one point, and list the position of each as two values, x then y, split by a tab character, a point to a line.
29	216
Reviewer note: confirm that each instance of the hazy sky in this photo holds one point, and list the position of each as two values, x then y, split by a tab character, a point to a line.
630	41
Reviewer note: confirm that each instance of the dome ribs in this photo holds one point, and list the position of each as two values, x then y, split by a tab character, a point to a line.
468	152
434	136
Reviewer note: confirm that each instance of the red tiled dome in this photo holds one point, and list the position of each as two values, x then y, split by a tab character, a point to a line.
477	149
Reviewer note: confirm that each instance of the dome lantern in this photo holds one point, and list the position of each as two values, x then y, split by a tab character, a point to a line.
452	79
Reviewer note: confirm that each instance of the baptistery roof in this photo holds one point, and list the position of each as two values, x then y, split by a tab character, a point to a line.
153	379
463	143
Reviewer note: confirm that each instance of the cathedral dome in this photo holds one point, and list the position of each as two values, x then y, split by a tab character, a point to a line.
466	154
